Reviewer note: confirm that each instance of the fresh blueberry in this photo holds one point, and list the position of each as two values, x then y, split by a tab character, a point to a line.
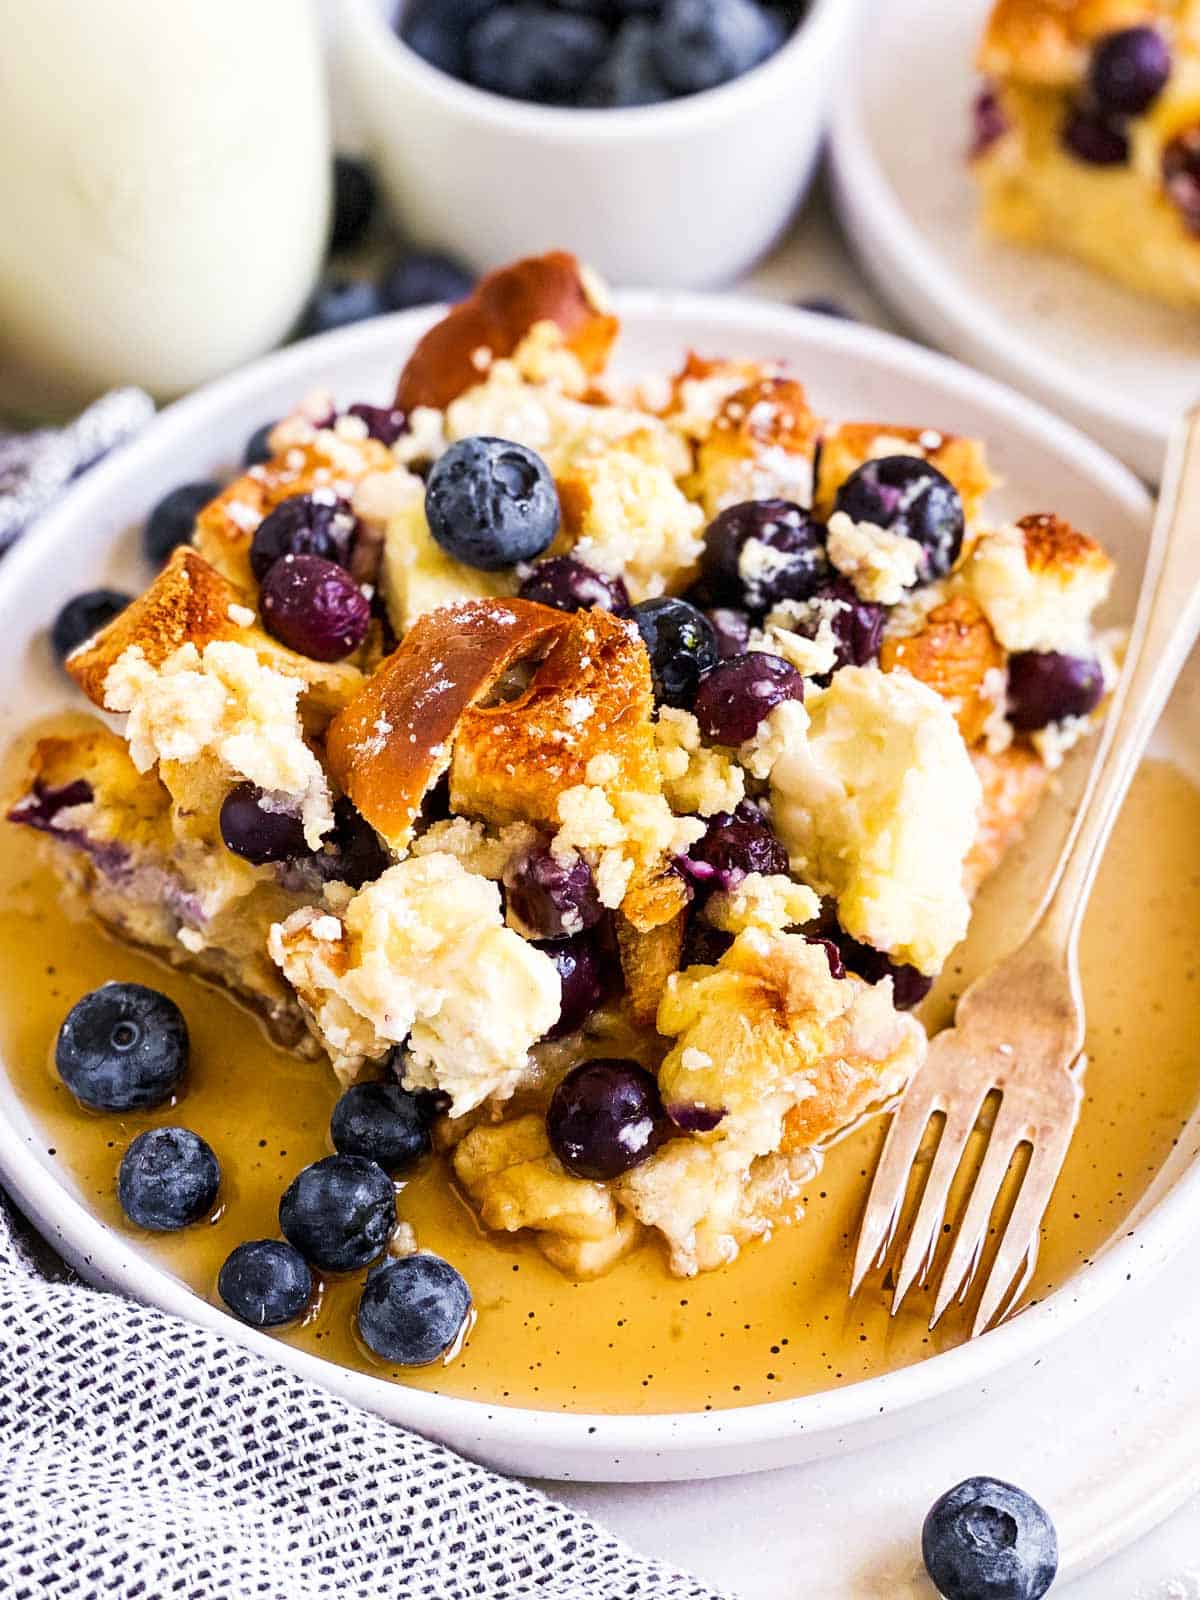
989	122
340	301
1095	138
413	1310
909	986
168	1178
1129	70
384	423
258	831
258	446
913	499
314	607
1045	687
857	624
173	519
738	694
1181	176
123	1047
548	898
569	585
423	278
491	503
824	306
266	1283
987	1540
529	51
437	30
339	1213
732	628
317	524
761	552
682	647
581	973
383	1122
703	43
629	76
83	617
352	853
736	844
354	197
604	1118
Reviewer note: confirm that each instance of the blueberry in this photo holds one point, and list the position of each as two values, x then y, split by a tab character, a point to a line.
266	1283
703	43
83	617
529	51
1095	138
384	423
1181	176
856	624
739	693
732	628
437	30
605	1118
168	1178
173	520
548	898
761	552
703	945
340	301
682	646
913	499
123	1047
317	524
1046	687
989	122
823	306
629	76
383	1122
352	853
581	973
1129	70
569	585
423	278
339	1213
354	198
986	1540
314	607
491	503
258	446
837	966
697	1119
909	986
413	1310
257	831
736	844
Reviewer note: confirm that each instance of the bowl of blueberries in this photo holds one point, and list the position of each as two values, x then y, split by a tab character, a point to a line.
667	142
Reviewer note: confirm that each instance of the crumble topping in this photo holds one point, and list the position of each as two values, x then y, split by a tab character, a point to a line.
615	832
695	777
1037	590
880	564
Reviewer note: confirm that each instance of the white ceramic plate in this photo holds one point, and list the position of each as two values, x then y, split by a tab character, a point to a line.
1118	366
851	372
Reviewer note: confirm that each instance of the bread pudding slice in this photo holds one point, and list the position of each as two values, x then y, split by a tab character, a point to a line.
1087	136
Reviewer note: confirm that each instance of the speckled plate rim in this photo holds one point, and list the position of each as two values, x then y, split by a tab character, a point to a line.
577	1445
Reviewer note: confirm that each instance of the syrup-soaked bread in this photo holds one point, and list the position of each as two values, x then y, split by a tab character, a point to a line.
846	447
1014	782
492	322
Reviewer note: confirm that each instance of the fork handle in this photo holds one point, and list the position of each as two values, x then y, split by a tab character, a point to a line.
1164	630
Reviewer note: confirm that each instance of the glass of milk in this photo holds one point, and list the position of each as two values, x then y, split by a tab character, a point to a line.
164	191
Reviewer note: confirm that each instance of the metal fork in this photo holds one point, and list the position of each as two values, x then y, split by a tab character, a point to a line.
1019	1029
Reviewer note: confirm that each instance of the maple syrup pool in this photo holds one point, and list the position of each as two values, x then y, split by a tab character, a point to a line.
776	1324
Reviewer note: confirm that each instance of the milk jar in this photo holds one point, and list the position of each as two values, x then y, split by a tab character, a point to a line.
164	191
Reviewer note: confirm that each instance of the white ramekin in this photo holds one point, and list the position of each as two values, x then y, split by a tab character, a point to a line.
684	195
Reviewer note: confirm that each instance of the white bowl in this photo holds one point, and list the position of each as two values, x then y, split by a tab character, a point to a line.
90	538
686	194
1118	366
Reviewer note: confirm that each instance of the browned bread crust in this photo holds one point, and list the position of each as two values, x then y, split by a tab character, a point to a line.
1046	41
648	958
496	318
953	652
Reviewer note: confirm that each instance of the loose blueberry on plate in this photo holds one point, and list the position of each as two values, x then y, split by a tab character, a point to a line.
736	844
253	828
987	1540
732	628
384	423
437	30
1046	687
569	585
338	302
258	445
383	1122
550	899
737	696
168	1179
413	1309
305	525
532	52
1181	176
423	278
605	1118
1129	70
266	1283
123	1047
354	197
173	519
1095	138
580	971
314	607
629	76
682	647
84	616
491	503
761	552
339	1213
703	43
913	499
